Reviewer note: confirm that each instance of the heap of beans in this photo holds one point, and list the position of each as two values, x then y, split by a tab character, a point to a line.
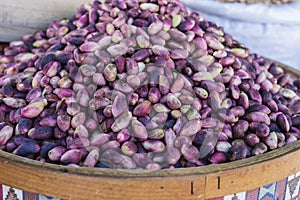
142	84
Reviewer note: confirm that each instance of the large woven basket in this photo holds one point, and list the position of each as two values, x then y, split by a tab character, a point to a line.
259	1
185	183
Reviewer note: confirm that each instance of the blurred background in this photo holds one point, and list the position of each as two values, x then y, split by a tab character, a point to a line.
21	17
268	29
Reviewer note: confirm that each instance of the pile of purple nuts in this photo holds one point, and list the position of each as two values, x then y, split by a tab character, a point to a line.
142	84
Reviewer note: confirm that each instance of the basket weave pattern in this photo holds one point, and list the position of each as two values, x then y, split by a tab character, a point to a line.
270	2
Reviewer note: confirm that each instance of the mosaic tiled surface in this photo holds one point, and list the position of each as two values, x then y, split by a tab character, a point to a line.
8	193
287	189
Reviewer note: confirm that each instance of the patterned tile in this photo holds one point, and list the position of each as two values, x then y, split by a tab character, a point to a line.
42	197
11	193
292	188
30	196
268	198
217	198
1	191
238	196
252	194
281	187
268	191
